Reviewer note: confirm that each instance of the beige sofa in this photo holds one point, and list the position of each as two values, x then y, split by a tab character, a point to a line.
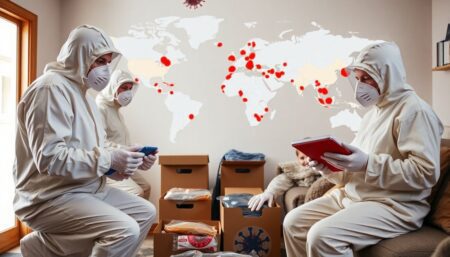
420	243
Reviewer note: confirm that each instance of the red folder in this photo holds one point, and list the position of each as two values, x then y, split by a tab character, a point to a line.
315	147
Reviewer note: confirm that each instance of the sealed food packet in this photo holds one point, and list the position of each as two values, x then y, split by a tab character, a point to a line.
187	194
195	242
190	228
197	253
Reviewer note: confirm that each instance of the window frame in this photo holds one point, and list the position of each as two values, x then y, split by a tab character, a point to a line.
26	22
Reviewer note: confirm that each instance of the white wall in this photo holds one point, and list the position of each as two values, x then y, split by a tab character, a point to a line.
49	29
441	79
407	22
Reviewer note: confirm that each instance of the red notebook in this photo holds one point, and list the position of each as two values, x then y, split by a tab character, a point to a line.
315	147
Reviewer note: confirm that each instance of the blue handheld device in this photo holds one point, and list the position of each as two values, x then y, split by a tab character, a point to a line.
147	150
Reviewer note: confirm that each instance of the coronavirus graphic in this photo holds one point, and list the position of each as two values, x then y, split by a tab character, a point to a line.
253	239
193	3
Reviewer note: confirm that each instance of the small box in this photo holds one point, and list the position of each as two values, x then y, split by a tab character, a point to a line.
242	233
181	210
241	174
163	242
185	171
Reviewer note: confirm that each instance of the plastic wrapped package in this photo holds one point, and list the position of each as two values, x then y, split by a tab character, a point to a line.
195	242
196	253
190	228
187	194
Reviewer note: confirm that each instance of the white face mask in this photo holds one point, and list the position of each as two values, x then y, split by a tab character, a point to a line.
98	78
366	95
125	97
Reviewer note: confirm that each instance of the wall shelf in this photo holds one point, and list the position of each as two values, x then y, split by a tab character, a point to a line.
442	68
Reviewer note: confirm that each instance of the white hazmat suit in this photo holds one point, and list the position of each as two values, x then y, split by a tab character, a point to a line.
117	132
61	159
401	136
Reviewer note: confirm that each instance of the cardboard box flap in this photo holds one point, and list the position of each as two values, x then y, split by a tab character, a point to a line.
243	163
240	190
183	160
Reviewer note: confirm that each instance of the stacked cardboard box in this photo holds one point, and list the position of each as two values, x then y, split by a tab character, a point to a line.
184	171
164	242
244	231
241	174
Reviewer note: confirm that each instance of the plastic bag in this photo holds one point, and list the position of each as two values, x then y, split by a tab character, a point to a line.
236	200
196	253
187	194
195	242
190	228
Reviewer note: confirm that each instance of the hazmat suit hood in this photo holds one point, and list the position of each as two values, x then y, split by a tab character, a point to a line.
383	62
118	78
84	45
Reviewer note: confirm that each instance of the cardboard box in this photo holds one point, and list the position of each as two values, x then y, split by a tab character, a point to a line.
241	174
185	171
243	233
181	210
163	242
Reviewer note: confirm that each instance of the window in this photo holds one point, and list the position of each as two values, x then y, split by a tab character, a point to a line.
18	28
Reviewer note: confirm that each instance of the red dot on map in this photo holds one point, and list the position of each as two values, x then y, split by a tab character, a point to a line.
258	66
159	91
329	100
344	72
222	87
284	64
228	77
165	61
267	76
278	74
244	100
271	71
324	91
240	93
317	83
156	84
171	92
136	80
242	52
321	101
249	44
266	109
252	56
292	81
253	44
232	69
219	44
231	58
302	88
257	117
191	116
246	58
249	65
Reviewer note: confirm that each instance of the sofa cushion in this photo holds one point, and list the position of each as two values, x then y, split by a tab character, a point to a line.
419	243
318	188
294	197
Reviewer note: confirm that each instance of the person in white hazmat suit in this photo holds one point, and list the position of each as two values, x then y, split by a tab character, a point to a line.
389	175
62	156
117	94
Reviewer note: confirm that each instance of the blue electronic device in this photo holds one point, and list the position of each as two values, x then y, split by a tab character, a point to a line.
147	150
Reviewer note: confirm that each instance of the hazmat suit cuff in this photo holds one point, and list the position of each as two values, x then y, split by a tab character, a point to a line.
103	161
372	170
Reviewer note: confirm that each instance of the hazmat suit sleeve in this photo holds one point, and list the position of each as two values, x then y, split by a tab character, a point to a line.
49	126
279	185
418	142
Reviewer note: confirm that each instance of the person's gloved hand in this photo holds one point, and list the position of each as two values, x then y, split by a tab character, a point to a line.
126	161
319	167
356	161
118	176
257	201
148	162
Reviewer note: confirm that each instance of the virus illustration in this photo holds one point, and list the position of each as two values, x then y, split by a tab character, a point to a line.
193	3
252	240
